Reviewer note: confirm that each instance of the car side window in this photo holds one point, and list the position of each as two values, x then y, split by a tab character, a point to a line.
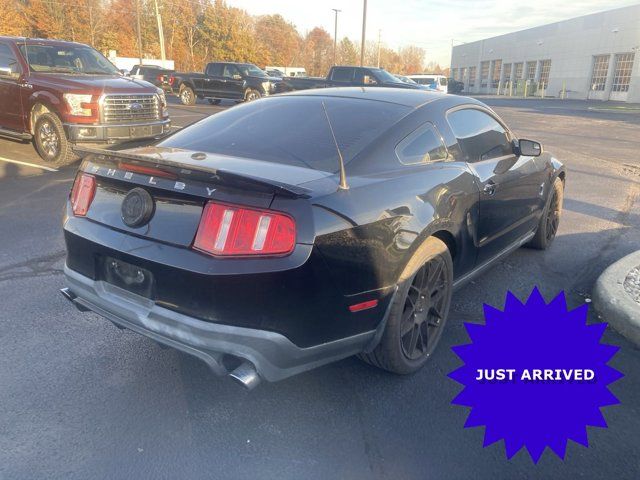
423	145
364	77
341	74
214	70
8	62
480	136
229	71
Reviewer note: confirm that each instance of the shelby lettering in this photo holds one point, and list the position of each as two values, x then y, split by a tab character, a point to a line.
535	374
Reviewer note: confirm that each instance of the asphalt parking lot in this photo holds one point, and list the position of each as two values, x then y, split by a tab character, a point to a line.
82	399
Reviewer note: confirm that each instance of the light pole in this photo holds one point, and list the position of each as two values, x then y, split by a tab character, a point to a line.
335	36
163	55
379	34
364	29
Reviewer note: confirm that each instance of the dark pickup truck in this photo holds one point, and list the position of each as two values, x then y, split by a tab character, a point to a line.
345	76
224	80
61	93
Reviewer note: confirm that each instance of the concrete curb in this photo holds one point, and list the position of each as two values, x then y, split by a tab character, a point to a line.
613	303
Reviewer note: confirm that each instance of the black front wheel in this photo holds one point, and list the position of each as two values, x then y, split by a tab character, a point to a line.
251	95
550	219
51	141
418	313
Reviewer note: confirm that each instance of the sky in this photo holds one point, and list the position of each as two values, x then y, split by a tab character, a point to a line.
429	24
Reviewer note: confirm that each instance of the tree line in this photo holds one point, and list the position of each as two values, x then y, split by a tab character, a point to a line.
198	31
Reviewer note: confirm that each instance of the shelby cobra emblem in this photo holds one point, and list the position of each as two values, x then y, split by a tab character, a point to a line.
137	208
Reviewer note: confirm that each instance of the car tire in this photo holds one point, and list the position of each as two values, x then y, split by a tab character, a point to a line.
214	101
51	141
550	219
251	95
419	309
187	96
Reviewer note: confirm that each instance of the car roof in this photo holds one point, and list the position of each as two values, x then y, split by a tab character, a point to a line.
401	96
44	41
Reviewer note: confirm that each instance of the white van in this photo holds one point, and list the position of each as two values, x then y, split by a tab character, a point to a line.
436	82
290	71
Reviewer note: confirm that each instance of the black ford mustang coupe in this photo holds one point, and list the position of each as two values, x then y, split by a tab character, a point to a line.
287	233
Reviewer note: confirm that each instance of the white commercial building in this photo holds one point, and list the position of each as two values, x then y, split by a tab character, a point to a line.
592	57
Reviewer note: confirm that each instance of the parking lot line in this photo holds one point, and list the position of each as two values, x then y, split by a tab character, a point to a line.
49	169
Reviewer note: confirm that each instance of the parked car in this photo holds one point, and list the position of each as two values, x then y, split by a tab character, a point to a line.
274	73
437	82
289	71
281	235
58	93
454	86
158	76
224	80
407	80
345	76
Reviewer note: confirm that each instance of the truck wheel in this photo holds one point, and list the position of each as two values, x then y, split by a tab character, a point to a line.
187	96
418	313
550	219
250	95
51	142
214	101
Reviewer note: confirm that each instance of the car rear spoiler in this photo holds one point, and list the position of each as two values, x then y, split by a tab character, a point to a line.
202	173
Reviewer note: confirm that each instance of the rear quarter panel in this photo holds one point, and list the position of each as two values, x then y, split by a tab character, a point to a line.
390	209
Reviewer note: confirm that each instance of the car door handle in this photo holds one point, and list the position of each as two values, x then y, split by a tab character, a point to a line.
489	188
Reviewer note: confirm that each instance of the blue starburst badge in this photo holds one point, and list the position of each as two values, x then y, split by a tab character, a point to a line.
535	375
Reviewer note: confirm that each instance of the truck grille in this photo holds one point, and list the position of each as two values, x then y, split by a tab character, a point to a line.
130	108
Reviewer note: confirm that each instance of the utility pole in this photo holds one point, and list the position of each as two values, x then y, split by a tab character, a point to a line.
163	56
335	37
379	34
139	32
364	30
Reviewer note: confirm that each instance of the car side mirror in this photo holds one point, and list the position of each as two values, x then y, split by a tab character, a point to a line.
529	148
124	73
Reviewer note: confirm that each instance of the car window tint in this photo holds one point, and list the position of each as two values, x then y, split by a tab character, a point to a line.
291	130
7	60
229	71
342	74
479	135
421	146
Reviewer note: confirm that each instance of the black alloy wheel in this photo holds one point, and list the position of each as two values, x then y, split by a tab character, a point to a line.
418	314
550	219
422	314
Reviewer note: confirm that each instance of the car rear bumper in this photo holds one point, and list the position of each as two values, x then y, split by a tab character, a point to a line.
273	355
114	133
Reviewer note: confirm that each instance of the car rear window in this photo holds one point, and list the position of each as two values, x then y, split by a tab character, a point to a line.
291	130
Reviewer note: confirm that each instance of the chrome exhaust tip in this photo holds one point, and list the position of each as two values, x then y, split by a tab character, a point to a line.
247	375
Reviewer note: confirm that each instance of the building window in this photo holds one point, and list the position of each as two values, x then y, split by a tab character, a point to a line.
518	71
545	69
472	76
531	71
600	72
506	72
484	74
495	77
622	73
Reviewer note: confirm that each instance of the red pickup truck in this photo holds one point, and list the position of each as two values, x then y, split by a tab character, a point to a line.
59	93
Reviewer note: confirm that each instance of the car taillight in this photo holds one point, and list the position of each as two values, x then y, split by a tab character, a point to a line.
160	78
82	193
229	230
171	80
